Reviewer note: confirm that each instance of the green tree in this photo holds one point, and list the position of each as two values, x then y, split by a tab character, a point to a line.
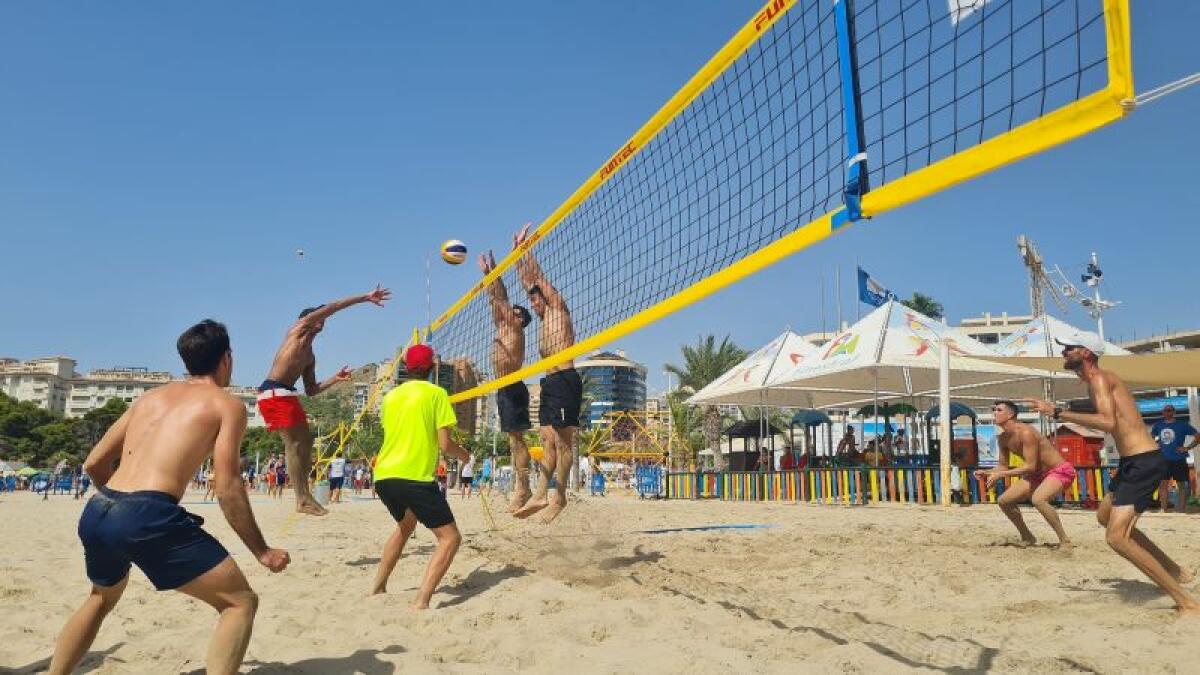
93	425
924	304
702	363
58	440
258	442
330	408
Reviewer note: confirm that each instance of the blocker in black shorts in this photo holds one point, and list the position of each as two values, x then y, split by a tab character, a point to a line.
561	399
513	404
424	498
1137	478
1178	470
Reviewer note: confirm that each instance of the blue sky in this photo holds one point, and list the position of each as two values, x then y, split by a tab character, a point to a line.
160	163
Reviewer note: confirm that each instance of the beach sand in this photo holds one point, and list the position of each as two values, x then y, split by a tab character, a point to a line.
832	589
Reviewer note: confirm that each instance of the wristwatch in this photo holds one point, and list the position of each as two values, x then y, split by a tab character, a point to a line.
1057	411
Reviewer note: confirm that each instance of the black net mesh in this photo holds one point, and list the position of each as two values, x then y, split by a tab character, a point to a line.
762	152
759	153
932	86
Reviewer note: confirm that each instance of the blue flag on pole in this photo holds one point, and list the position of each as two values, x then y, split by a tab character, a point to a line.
870	291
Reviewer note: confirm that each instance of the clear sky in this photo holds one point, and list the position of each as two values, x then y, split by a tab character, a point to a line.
162	162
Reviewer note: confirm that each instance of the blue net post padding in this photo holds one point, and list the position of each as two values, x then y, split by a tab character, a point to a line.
649	481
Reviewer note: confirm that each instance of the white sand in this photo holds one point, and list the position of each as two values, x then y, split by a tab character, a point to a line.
876	589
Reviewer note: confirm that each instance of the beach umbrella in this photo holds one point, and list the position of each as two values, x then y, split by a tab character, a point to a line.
28	471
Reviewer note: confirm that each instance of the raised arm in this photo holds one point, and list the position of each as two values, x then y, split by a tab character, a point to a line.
497	291
231	494
312	387
316	318
102	460
531	273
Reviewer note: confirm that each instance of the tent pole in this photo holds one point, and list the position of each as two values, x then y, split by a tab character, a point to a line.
944	422
877	443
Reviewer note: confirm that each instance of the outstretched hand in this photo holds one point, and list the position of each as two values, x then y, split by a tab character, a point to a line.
1043	407
379	295
483	264
520	237
275	559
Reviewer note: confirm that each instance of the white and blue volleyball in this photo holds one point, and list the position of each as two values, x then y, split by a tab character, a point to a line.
454	252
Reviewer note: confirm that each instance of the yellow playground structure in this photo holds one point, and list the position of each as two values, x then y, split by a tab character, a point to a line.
632	436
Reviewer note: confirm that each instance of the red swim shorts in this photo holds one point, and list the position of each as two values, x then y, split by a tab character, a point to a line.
281	411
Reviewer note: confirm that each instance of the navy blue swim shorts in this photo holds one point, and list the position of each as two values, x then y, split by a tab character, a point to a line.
148	529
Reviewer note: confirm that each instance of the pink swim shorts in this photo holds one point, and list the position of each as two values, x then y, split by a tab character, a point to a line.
1063	473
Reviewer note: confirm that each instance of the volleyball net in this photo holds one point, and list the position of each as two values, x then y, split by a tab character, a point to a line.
817	113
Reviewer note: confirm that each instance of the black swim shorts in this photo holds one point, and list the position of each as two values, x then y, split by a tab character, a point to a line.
561	399
424	498
148	529
1178	469
513	404
1137	478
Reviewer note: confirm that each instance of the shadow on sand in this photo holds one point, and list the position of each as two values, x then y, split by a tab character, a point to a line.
365	661
478	581
91	661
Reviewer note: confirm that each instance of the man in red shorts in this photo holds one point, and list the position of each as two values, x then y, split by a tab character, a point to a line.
1044	476
279	402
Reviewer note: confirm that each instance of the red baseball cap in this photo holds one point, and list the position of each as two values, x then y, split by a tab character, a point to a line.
418	358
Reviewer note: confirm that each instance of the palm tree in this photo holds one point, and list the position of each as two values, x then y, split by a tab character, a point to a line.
703	363
686	424
925	304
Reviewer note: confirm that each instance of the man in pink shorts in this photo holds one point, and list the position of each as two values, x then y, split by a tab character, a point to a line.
1044	475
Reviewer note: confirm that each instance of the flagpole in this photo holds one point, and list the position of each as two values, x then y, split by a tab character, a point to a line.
837	295
821	283
857	305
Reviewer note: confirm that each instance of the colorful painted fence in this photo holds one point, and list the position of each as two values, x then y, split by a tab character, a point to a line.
863	485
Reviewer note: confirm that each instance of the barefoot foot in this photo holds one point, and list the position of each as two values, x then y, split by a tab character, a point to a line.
1188	612
311	507
531	507
553	509
518	500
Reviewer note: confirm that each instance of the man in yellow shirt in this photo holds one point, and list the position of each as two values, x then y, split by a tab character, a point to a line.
417	419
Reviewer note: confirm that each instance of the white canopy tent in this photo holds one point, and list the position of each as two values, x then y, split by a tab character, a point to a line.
892	353
744	384
1034	347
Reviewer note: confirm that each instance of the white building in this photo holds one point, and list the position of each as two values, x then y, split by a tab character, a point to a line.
43	382
99	386
992	329
53	384
249	398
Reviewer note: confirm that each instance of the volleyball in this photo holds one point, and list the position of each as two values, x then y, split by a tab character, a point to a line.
454	252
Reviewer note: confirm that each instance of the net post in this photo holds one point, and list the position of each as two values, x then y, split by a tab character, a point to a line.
856	156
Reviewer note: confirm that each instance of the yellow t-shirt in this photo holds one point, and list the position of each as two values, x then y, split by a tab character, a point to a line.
411	416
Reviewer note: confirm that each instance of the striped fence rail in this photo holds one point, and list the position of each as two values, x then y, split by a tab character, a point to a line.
864	485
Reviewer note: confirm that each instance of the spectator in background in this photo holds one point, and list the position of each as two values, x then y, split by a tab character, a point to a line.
337	476
467	478
210	489
848	446
358	479
441	475
1170	433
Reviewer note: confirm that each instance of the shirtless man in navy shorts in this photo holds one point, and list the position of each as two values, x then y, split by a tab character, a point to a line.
1142	467
136	518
